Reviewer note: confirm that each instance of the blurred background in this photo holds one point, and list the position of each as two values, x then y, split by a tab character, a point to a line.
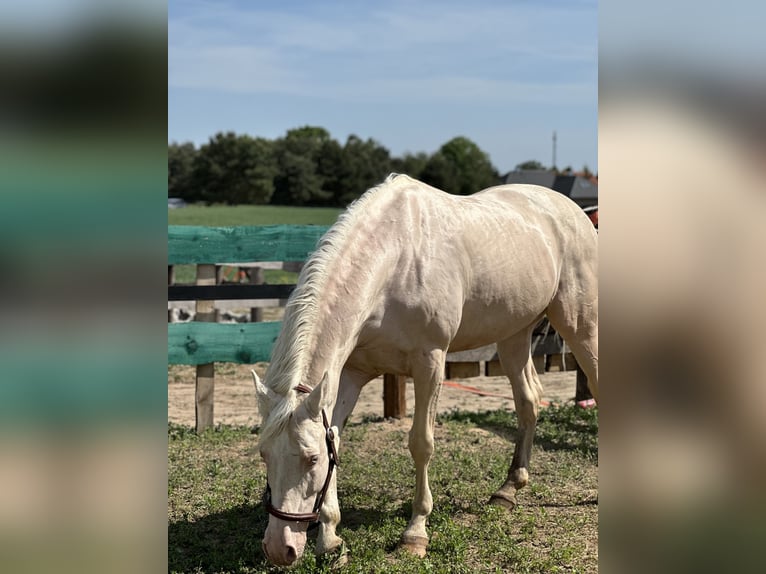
682	136
682	142
82	235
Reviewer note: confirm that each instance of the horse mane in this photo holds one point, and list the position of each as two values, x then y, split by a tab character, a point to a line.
289	359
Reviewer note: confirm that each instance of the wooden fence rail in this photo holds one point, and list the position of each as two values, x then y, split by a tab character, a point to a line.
204	342
196	343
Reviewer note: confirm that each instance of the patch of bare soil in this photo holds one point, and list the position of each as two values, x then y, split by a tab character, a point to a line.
235	398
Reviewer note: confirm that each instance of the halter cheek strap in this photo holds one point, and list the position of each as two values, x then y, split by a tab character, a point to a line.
332	453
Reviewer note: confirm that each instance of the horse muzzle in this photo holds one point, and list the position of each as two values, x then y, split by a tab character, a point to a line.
286	557
283	546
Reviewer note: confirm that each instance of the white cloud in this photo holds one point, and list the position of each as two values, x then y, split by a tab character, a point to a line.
535	29
411	51
465	89
239	69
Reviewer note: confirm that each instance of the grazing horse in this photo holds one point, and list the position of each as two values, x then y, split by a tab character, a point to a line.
406	274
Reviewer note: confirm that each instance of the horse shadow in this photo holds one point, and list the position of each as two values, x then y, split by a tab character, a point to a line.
559	428
231	539
220	541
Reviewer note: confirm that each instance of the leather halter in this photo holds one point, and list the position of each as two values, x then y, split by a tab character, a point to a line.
332	453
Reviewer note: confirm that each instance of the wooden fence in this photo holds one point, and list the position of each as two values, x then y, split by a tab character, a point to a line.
204	341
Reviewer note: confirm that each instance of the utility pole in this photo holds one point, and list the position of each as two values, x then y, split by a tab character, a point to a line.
553	165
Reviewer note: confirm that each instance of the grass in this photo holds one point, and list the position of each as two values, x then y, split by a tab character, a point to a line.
224	215
216	521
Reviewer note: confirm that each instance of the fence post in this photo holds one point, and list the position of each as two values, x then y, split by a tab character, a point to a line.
256	278
394	399
206	275
171	280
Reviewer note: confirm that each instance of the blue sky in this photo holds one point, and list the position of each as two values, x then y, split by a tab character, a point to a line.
411	75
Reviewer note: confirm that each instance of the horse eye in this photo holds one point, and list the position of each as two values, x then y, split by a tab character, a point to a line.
314	459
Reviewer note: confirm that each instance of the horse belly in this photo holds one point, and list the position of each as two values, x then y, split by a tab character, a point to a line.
483	325
500	304
392	335
376	361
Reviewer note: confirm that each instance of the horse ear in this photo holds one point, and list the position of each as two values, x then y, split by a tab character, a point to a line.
262	394
316	401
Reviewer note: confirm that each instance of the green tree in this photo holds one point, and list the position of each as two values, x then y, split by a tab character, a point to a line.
299	180
330	169
363	164
460	167
235	169
411	164
531	164
329	162
440	173
180	171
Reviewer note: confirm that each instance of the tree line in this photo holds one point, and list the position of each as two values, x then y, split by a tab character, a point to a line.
308	167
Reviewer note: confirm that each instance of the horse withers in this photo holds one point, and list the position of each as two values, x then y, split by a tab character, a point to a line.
407	273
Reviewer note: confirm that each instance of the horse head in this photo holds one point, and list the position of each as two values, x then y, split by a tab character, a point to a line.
300	451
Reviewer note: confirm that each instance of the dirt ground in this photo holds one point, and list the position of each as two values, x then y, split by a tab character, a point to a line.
235	399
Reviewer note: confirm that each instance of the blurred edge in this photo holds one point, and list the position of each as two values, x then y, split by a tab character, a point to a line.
682	150
83	115
83	167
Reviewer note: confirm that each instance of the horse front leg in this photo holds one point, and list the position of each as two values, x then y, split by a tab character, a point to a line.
351	383
329	518
517	363
428	376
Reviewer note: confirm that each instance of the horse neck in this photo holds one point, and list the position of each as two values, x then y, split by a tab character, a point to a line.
335	336
338	292
330	334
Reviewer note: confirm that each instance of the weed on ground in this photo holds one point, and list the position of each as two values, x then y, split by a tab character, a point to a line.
216	521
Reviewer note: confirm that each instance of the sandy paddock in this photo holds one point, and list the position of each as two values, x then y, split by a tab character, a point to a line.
235	398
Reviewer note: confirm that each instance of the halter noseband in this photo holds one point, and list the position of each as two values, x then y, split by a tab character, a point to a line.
332	453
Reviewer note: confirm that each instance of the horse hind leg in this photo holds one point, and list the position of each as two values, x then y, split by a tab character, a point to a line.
516	359
428	375
575	318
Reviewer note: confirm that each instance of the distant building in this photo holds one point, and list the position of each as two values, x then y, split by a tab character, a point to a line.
581	189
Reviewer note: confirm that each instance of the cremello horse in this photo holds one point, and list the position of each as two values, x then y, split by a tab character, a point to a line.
406	274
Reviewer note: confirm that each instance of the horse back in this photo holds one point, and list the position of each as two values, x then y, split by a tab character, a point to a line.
472	270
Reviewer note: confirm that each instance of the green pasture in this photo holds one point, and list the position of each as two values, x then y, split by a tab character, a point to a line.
216	521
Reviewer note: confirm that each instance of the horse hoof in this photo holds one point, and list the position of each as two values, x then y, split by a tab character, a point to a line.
503	500
415	545
339	561
335	557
